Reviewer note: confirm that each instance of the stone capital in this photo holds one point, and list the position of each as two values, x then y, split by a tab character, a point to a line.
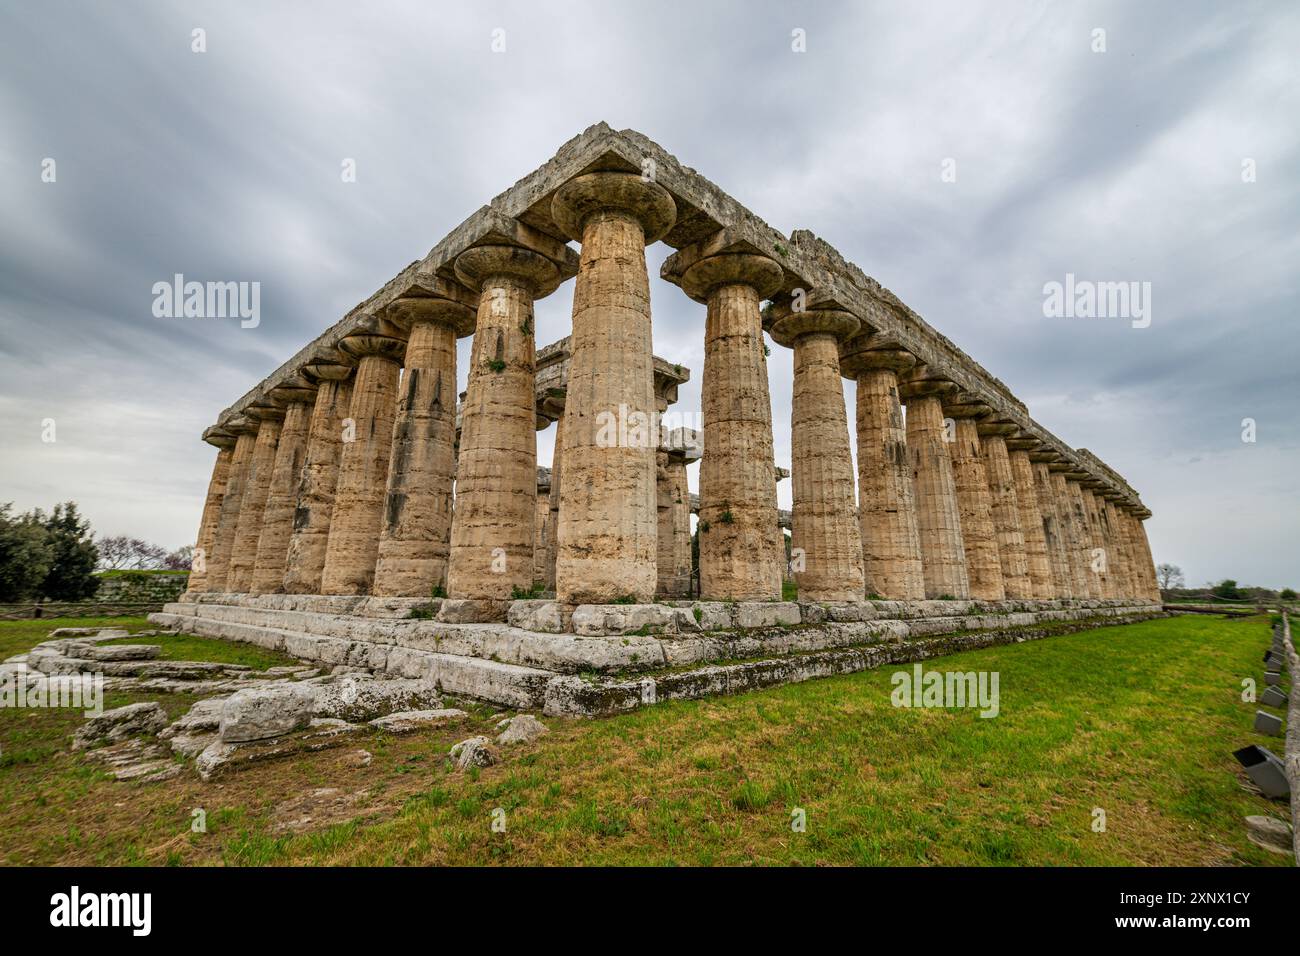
584	196
265	410
922	383
786	326
374	336
997	427
868	350
296	388
965	405
219	436
477	265
733	268
684	444
457	314
240	425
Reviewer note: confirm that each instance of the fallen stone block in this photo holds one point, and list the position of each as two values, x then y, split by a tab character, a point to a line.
520	729
474	752
407	721
120	723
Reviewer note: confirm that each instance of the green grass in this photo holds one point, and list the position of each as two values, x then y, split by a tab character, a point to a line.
1138	720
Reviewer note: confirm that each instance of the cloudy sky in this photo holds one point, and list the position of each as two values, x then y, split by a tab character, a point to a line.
1132	164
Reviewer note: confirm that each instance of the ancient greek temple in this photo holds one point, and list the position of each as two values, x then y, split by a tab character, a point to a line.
361	515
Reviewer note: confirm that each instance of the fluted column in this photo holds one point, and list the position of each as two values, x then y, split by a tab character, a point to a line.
938	517
1116	546
281	496
1042	584
1102	559
608	522
494	525
223	538
257	484
975	500
553	505
318	478
1006	510
353	546
891	544
1085	577
1053	527
740	542
198	579
1146	564
1072	531
415	536
825	523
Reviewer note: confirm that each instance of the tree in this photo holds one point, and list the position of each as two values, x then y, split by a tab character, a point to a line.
1169	576
1227	590
120	552
26	555
74	555
180	559
1287	594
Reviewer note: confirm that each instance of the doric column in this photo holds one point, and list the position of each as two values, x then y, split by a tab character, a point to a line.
608	521
257	484
938	517
975	500
353	548
1085	577
318	478
553	505
1053	525
1116	546
821	465
414	539
494	524
680	447
225	444
543	533
1076	551
1145	563
223	538
891	545
281	497
1006	509
1042	583
1101	557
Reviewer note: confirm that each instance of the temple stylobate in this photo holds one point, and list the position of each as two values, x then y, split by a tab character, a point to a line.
352	483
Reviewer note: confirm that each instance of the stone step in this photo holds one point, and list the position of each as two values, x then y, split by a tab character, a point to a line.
574	696
510	685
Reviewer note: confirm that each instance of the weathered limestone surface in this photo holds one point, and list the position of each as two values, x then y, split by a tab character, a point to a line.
974	498
608	521
314	495
891	544
938	520
211	514
1054	530
826	535
277	516
553	505
739	541
1117	547
674	500
257	484
1085	577
353	544
1006	513
413	542
223	538
1042	584
1101	557
493	528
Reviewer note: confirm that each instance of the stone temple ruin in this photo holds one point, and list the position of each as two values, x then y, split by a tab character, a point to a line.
358	516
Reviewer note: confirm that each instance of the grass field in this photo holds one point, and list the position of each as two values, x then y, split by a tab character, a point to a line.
1138	721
